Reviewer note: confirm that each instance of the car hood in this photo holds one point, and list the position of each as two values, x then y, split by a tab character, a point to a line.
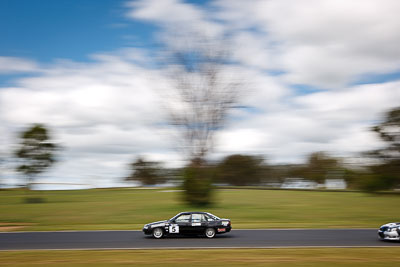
391	224
157	223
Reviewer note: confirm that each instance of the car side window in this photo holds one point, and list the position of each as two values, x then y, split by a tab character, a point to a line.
208	218
196	218
183	218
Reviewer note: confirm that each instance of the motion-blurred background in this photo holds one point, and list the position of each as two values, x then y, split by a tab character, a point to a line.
199	95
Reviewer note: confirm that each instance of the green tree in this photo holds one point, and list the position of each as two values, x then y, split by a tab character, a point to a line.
197	183
241	170
320	166
36	152
389	131
146	172
385	175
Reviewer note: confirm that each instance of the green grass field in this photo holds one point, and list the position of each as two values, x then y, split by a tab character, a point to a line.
215	257
131	208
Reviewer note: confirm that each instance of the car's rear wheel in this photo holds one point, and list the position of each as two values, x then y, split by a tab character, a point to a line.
158	233
210	232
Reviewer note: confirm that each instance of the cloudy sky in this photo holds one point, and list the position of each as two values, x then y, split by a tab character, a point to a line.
319	74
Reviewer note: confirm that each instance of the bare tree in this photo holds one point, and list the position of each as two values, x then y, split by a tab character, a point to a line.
204	90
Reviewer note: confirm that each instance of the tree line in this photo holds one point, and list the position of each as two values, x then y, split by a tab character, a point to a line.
36	152
250	170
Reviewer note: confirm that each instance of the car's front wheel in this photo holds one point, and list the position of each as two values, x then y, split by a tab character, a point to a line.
210	232
158	233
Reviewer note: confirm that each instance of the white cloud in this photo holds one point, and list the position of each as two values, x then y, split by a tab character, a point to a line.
10	65
327	44
322	43
178	17
103	113
356	103
334	121
164	11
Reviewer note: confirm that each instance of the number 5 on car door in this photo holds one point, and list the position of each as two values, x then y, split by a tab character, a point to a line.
174	229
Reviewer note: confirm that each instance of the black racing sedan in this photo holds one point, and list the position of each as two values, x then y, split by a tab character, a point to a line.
198	223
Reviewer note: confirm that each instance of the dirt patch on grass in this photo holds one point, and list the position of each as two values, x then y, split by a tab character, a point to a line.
10	227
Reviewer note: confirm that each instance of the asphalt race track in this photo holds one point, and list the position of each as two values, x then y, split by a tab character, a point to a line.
235	239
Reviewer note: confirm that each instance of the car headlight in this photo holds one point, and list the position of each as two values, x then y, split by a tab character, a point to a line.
393	229
146	226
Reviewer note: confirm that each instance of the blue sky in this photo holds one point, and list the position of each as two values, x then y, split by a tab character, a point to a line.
73	29
48	30
317	76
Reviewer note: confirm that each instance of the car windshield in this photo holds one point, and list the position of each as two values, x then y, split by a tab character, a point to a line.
174	217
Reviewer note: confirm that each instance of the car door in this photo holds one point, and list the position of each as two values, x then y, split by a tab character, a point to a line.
181	224
198	223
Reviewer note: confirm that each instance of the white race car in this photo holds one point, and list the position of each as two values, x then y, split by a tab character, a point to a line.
389	231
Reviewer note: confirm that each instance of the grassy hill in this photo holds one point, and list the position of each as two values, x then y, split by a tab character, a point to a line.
123	209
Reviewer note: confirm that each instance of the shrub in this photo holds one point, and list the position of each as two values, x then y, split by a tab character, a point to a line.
197	184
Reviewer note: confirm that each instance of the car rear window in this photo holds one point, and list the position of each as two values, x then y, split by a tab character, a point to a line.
196	217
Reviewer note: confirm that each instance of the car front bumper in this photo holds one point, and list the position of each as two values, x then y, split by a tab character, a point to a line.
147	231
386	235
